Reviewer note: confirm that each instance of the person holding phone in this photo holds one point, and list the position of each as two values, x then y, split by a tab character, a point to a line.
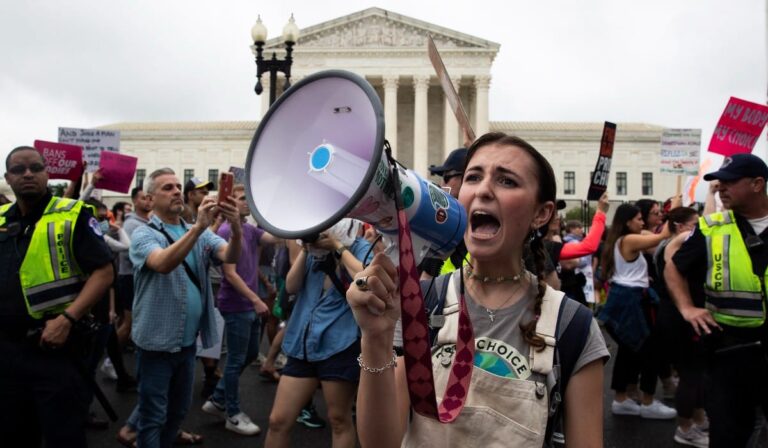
173	301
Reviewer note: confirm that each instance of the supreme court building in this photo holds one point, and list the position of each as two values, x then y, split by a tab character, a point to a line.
390	51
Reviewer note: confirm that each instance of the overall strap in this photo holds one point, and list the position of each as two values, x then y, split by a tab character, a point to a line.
546	328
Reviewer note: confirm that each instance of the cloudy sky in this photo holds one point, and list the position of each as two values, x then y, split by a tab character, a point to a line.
85	63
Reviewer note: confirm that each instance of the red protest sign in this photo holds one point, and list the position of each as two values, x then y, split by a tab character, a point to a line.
62	161
739	127
117	171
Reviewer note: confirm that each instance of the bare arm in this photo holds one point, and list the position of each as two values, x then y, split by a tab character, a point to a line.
295	278
230	273
631	245
168	259
584	401
380	422
229	253
710	204
268	238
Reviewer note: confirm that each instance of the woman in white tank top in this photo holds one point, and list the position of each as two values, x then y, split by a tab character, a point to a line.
624	314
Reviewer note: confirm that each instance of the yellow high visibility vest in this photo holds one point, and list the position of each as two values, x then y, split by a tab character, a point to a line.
50	277
733	293
448	266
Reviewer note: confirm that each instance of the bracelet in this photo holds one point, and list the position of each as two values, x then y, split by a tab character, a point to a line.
69	317
377	370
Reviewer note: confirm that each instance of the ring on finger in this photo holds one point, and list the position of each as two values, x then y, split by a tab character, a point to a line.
362	283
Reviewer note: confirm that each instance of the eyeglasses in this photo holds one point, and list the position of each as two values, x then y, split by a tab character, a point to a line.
448	177
21	169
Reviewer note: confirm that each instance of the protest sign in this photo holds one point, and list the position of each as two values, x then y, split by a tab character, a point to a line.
603	166
239	174
450	92
117	171
62	161
680	151
93	141
739	127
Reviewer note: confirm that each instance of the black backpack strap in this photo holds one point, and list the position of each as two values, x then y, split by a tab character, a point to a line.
188	269
570	343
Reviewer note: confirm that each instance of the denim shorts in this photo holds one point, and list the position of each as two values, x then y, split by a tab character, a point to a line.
340	367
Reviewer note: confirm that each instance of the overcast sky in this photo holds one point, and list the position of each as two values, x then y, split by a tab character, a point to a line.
88	63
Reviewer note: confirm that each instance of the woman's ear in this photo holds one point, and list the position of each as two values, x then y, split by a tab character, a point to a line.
543	214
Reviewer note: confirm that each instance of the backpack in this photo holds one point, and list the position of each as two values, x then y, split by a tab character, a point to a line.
570	338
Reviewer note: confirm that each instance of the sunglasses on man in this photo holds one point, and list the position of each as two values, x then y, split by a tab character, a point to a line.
21	169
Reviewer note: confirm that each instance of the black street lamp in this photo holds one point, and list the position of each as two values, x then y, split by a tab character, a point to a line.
273	65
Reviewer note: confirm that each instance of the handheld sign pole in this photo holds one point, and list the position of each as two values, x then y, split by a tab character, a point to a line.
603	166
450	92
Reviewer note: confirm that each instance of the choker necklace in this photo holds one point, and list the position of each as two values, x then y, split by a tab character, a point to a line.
486	279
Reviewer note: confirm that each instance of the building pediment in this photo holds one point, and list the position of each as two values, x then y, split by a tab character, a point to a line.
381	29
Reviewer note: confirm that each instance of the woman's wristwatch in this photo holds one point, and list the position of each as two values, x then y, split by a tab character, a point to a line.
338	252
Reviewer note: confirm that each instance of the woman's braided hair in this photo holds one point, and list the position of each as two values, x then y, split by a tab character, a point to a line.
546	192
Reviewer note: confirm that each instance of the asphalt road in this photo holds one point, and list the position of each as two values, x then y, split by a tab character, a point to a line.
257	397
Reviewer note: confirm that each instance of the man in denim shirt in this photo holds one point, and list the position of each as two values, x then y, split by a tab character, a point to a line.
173	302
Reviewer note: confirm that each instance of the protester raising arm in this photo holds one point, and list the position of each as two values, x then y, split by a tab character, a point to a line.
591	242
379	419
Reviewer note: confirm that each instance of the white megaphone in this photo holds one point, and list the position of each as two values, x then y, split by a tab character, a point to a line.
318	156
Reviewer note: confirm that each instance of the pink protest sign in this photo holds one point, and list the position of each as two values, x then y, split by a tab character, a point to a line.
739	127
62	161
117	171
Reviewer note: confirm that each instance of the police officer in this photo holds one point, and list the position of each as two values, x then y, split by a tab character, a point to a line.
724	297
54	265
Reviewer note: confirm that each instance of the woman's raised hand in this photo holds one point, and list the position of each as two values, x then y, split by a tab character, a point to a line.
374	297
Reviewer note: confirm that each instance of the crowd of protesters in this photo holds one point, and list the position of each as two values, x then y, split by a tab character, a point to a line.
176	275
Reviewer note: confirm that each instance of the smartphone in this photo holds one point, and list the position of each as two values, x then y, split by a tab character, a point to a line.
225	185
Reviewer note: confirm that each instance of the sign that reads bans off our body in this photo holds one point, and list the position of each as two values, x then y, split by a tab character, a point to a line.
739	127
93	141
603	166
62	161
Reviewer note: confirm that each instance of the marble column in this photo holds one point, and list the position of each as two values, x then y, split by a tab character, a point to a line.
420	125
482	84
450	123
390	111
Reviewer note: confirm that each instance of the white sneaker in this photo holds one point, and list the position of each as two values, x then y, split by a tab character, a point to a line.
242	424
213	408
108	370
626	407
657	410
692	437
703	427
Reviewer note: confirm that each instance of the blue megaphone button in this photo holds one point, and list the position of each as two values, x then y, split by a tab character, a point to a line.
320	158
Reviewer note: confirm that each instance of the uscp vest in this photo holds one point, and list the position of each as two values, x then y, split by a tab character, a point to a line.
734	294
50	277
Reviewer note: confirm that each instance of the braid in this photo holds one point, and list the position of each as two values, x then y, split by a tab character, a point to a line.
529	329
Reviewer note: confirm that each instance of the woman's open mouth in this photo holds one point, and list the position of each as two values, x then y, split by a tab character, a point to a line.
483	224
